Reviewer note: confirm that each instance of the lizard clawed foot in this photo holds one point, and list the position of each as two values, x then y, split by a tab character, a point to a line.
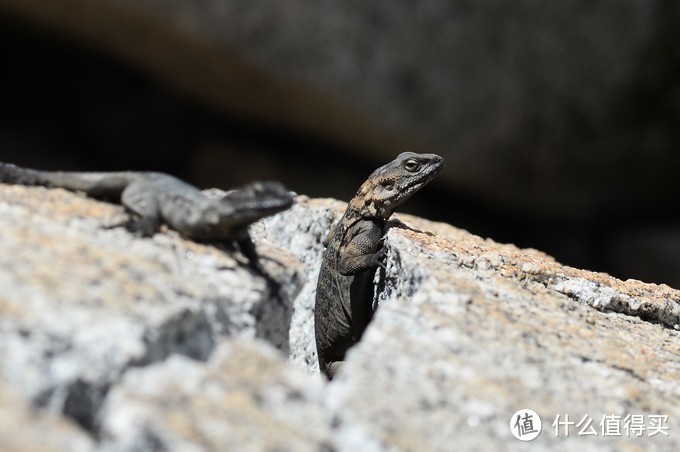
143	227
379	257
138	226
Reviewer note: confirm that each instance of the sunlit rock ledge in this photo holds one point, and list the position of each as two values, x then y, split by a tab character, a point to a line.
126	343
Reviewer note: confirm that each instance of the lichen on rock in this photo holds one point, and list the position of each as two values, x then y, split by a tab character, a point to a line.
168	344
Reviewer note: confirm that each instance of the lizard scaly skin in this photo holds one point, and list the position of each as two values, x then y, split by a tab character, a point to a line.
344	293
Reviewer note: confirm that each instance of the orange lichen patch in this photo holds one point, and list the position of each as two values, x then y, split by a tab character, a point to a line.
59	265
658	302
56	202
9	309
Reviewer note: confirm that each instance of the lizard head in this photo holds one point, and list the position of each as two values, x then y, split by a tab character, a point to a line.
393	184
246	204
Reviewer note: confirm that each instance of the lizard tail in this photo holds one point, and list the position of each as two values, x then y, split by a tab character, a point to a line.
12	174
104	185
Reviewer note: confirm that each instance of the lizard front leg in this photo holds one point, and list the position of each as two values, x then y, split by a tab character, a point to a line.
362	248
349	292
146	219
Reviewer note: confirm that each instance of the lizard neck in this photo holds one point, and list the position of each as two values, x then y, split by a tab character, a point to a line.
371	203
366	208
393	184
349	219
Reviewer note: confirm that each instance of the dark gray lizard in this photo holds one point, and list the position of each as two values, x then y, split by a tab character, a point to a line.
344	292
156	198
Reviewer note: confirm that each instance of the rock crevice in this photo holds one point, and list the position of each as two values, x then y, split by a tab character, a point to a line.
165	344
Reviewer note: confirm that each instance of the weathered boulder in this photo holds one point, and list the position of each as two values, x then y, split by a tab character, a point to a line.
471	328
170	345
244	398
80	303
470	331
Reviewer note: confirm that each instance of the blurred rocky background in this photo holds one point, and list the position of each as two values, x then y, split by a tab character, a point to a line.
560	121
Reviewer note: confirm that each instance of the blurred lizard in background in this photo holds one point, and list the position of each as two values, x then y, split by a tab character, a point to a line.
157	198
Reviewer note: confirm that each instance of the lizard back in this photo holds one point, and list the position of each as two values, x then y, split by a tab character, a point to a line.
96	184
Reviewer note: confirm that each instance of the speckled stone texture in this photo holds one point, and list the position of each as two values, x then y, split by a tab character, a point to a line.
244	398
81	302
165	344
24	428
469	331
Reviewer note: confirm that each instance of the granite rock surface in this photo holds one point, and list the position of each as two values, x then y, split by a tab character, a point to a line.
123	343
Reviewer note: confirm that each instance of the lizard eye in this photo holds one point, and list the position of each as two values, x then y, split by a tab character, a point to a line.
389	186
412	165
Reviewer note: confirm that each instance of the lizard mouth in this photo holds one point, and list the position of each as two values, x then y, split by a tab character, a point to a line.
256	200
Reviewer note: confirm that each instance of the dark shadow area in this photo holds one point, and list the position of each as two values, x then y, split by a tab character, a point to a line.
66	106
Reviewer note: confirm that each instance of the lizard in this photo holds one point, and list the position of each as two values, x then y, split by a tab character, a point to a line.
155	198
344	293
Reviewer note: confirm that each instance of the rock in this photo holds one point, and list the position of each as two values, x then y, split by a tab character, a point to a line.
469	331
302	230
244	398
81	303
25	429
154	344
466	347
